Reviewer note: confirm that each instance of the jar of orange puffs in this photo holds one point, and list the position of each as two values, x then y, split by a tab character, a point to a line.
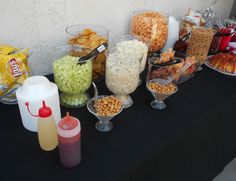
152	26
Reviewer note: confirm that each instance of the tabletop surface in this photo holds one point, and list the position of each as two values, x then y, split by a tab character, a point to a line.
138	132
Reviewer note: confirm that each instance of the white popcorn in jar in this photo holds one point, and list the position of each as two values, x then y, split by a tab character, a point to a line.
123	67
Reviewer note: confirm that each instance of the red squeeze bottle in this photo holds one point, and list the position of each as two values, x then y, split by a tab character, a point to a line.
69	141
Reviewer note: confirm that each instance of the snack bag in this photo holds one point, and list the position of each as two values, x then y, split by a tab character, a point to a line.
13	71
6	49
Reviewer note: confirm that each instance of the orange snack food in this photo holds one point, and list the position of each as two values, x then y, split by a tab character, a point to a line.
166	56
162	88
90	39
199	43
153	26
108	105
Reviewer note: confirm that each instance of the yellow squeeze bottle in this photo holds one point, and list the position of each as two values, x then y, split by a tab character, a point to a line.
47	131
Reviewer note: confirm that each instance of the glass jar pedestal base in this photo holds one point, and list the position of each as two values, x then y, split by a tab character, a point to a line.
158	104
74	100
103	126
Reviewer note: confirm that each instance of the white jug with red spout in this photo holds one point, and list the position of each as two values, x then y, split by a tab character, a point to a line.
35	89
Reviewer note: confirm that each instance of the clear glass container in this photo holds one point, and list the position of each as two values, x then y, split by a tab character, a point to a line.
73	79
191	70
124	64
104	124
90	36
151	25
181	68
158	102
164	71
199	43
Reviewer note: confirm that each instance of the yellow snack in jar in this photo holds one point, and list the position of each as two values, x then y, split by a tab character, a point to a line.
90	39
87	32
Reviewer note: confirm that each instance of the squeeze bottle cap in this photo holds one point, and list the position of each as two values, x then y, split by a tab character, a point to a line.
69	126
45	111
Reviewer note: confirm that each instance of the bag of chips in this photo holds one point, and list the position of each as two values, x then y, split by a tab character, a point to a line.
13	71
6	49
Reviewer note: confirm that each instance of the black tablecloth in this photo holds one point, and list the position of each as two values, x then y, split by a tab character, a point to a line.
192	140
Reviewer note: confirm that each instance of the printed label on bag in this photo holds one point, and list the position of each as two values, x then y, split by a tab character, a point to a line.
15	69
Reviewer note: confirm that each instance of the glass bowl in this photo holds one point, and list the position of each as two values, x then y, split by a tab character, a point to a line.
181	68
9	97
104	124
158	103
190	71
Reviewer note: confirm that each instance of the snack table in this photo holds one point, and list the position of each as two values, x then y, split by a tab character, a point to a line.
191	140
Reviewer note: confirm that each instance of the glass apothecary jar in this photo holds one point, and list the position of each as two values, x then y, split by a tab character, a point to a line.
151	25
124	62
90	36
72	78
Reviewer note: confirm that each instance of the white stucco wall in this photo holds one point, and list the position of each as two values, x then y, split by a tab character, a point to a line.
40	24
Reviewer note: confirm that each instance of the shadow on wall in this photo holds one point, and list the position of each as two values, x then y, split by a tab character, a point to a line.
233	11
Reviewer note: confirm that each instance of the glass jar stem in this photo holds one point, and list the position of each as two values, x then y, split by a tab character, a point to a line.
103	126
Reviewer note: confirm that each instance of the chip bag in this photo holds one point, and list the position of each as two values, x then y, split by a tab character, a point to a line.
13	71
6	49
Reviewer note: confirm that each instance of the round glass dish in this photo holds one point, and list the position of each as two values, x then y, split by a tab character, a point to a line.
160	95
104	124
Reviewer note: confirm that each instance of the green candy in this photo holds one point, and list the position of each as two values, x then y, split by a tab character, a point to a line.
72	78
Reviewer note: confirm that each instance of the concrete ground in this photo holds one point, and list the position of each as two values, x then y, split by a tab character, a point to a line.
229	172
